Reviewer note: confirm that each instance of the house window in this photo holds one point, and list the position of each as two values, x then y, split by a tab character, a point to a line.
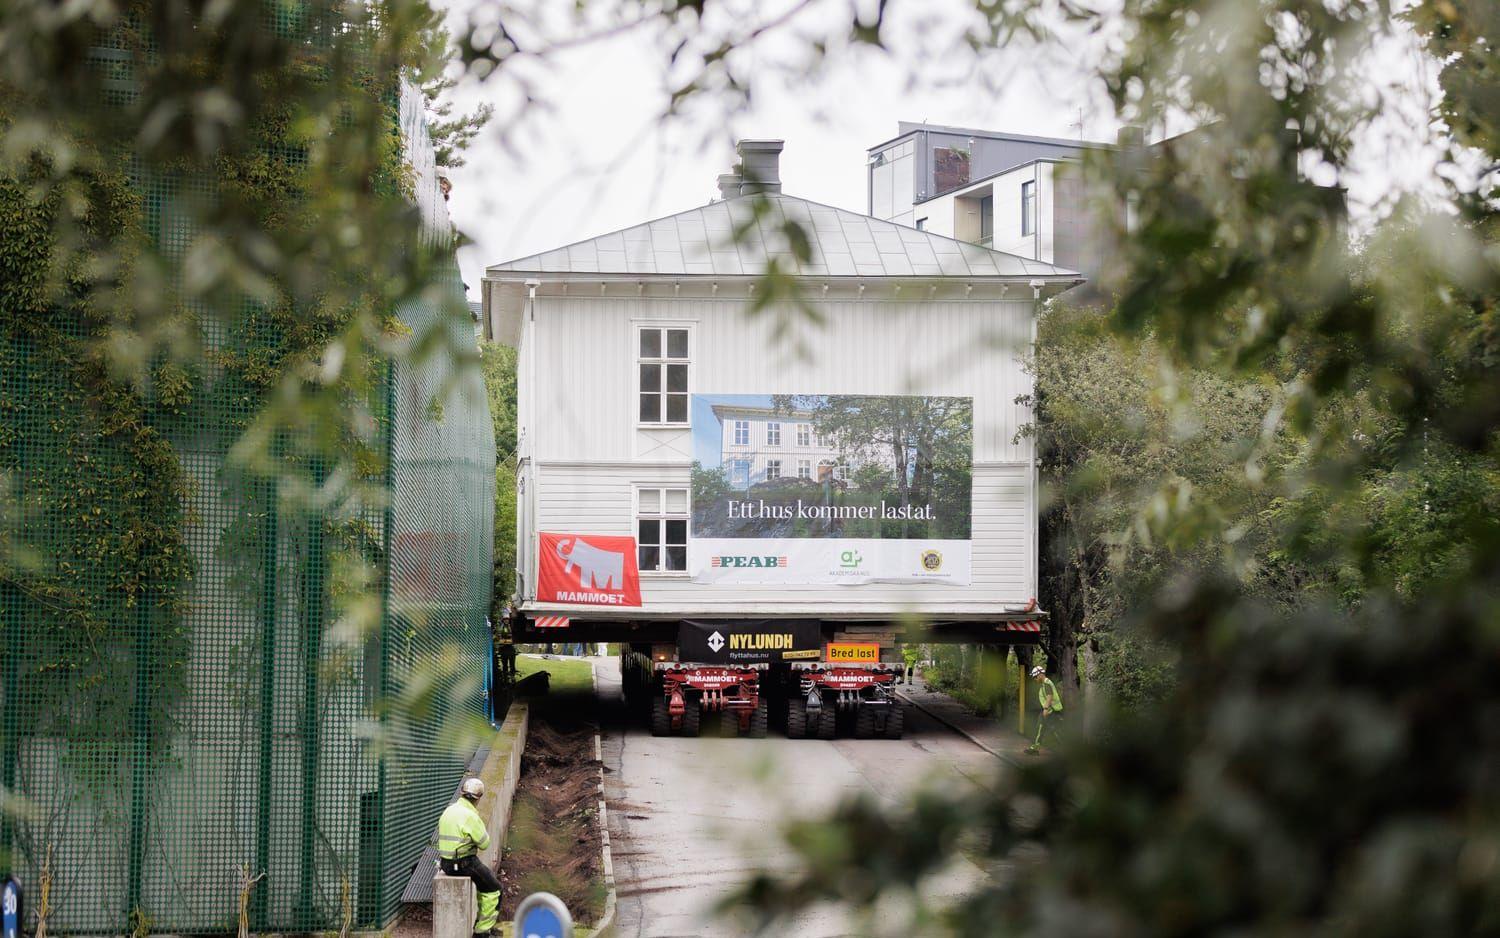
804	468
987	220
773	469
661	529
739	472
662	363
804	434
921	224
773	434
742	433
1028	208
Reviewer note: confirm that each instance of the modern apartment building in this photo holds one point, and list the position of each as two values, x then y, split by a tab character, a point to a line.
1012	193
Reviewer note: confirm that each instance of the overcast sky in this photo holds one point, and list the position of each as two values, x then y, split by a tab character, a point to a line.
591	157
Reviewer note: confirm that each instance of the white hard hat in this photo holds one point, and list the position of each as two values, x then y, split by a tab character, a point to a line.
1038	671
472	789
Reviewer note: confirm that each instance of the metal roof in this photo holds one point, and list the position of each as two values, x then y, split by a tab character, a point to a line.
905	129
700	242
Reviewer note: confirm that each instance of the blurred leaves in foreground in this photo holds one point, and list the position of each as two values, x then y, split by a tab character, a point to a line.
1275	460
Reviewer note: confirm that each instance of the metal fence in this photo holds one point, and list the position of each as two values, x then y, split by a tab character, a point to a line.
179	703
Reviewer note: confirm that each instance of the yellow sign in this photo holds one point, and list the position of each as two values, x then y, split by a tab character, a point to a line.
853	653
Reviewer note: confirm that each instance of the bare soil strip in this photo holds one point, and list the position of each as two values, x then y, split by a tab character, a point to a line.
554	841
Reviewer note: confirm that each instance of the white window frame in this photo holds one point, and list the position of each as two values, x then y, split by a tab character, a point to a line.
804	469
739	427
804	435
637	327
739	469
773	426
770	463
663	516
1028	209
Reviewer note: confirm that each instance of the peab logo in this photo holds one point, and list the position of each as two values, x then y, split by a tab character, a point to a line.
760	561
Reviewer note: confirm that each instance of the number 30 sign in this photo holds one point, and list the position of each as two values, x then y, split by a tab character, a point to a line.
10	909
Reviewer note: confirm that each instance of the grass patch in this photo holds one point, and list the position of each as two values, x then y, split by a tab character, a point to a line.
569	676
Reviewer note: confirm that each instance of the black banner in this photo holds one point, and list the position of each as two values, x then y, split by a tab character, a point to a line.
748	641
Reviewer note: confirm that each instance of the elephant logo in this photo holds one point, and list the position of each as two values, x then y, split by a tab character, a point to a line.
597	569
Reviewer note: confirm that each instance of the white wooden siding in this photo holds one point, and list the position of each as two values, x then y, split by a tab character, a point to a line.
598	499
586	365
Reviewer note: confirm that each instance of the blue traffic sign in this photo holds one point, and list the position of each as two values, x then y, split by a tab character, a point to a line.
543	915
10	909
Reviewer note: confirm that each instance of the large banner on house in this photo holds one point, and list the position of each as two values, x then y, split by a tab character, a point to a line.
587	570
847	489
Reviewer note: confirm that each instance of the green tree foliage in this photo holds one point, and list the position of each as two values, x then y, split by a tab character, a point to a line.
451	131
99	474
1126	437
498	363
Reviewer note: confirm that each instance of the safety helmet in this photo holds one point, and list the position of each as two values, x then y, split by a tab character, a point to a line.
1038	671
472	789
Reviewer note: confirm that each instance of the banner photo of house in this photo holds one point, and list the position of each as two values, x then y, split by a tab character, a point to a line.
849	489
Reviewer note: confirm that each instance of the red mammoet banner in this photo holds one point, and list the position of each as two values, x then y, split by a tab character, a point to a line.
587	569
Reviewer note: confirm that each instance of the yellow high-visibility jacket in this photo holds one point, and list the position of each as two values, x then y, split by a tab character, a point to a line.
1048	697
461	831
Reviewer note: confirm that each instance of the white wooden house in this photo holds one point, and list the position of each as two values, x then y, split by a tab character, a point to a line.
627	339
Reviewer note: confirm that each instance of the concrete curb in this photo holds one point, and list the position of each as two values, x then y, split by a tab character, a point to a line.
1005	757
606	926
506	767
453	898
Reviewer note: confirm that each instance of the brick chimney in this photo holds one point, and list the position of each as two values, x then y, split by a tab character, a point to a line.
760	169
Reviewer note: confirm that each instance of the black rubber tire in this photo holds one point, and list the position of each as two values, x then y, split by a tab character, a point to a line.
760	717
692	715
729	723
895	721
661	721
796	718
864	722
828	723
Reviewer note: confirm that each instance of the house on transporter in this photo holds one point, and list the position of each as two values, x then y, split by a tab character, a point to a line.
874	458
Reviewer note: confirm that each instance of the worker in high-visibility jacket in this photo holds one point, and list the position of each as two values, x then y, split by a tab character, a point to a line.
461	835
1052	707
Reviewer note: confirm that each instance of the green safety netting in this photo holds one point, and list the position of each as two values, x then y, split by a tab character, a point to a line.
178	702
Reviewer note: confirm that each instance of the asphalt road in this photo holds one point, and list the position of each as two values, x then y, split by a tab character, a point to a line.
691	818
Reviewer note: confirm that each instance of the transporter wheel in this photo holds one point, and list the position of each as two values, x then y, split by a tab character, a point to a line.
759	718
796	718
729	723
864	722
828	723
692	714
661	720
895	721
